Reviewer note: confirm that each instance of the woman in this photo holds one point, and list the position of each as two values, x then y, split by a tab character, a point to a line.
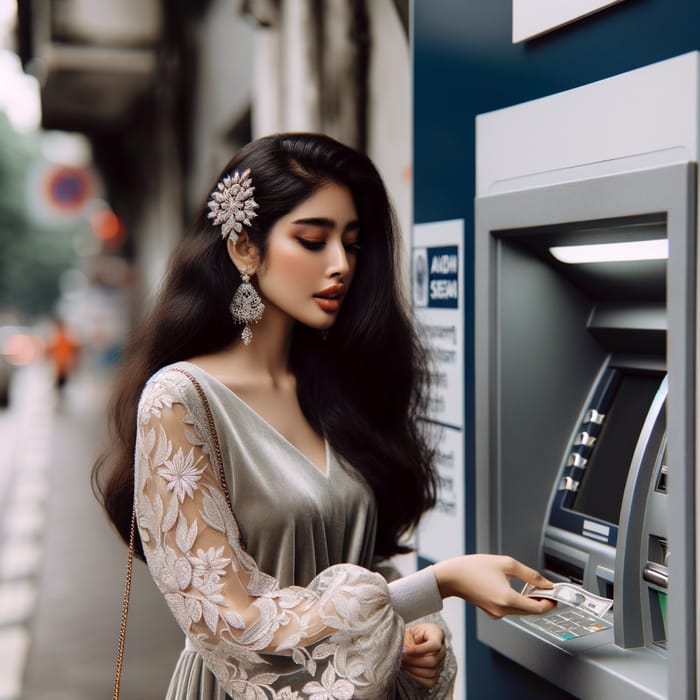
275	467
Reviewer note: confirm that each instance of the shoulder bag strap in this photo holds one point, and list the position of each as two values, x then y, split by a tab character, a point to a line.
125	608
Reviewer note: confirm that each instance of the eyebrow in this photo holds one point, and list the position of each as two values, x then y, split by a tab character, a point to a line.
328	223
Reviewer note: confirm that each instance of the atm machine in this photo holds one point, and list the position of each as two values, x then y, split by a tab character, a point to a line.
585	313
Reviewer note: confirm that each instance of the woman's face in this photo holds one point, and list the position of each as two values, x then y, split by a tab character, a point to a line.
311	257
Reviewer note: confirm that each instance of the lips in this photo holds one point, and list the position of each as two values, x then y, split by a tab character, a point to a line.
329	299
335	291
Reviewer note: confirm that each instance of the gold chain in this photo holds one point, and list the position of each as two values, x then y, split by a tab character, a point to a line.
125	608
212	429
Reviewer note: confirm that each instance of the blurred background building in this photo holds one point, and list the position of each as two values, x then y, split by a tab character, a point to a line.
115	116
166	96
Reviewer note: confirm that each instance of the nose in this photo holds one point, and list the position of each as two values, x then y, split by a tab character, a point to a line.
339	265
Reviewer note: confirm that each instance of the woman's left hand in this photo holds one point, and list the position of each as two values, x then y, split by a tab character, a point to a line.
423	654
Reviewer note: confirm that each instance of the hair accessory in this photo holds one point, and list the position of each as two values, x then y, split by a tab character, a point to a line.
231	204
246	306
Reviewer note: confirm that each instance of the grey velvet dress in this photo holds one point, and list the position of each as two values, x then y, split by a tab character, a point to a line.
264	560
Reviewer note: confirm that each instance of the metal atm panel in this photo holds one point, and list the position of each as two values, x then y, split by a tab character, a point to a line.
548	339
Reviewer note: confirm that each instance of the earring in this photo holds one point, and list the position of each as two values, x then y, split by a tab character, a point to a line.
246	306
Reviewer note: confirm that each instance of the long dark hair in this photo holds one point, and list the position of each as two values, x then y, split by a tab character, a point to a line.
364	387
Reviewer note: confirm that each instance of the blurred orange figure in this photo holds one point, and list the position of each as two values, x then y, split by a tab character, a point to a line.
63	350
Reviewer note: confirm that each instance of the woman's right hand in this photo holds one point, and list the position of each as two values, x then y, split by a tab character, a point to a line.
484	580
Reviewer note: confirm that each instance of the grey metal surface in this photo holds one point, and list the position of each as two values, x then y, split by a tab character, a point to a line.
532	367
629	556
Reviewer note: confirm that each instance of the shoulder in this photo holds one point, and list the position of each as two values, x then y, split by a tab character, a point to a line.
174	383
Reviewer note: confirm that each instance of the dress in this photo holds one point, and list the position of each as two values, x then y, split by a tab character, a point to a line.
268	610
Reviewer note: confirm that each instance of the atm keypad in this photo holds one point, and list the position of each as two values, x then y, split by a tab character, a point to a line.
568	624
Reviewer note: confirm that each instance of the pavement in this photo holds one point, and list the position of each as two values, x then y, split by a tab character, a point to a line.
61	564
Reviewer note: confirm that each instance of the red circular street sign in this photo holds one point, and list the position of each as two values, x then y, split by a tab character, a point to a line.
67	189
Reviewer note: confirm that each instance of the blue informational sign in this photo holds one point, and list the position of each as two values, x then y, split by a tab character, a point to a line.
436	277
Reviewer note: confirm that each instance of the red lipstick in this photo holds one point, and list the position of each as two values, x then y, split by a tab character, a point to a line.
329	299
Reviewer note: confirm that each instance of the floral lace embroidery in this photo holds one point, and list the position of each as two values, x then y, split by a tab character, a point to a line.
338	638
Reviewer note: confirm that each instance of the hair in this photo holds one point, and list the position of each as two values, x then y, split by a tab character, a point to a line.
364	388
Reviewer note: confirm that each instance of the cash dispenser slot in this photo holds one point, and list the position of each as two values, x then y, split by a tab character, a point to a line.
564	569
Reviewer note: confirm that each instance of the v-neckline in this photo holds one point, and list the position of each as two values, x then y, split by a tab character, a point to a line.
266	423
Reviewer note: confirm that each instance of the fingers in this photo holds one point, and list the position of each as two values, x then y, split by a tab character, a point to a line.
419	680
536	606
426	660
424	638
413	638
519	605
514	603
429	646
424	670
485	581
423	654
427	678
525	573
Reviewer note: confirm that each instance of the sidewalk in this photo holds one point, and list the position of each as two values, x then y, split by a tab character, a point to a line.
72	599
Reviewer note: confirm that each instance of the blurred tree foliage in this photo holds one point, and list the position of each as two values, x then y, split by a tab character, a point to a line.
32	255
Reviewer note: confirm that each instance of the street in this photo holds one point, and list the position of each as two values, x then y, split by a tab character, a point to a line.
61	565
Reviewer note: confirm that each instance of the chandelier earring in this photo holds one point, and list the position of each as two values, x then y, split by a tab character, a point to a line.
246	307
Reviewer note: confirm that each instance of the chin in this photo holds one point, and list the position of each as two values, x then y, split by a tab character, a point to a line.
319	324
322	325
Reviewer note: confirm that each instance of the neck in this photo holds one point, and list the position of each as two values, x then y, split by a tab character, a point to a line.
266	358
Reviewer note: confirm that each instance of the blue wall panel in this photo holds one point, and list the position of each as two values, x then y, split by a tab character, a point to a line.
465	64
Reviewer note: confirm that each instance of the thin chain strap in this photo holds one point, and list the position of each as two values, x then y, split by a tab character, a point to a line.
125	608
212	430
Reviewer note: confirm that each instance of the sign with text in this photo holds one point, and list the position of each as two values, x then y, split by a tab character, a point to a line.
438	303
436	277
438	306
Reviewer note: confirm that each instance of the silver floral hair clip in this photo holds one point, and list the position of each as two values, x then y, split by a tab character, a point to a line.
231	204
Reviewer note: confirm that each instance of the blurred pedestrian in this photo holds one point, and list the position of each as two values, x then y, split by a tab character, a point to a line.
63	350
275	467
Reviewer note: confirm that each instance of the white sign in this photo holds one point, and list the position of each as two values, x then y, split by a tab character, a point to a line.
534	17
438	291
438	305
441	532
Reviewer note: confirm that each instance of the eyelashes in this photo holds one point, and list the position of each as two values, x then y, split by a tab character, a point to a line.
319	245
311	245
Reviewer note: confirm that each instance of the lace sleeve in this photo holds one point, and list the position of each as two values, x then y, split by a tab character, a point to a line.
339	635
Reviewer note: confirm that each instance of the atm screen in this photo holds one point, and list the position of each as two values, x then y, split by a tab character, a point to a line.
603	483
